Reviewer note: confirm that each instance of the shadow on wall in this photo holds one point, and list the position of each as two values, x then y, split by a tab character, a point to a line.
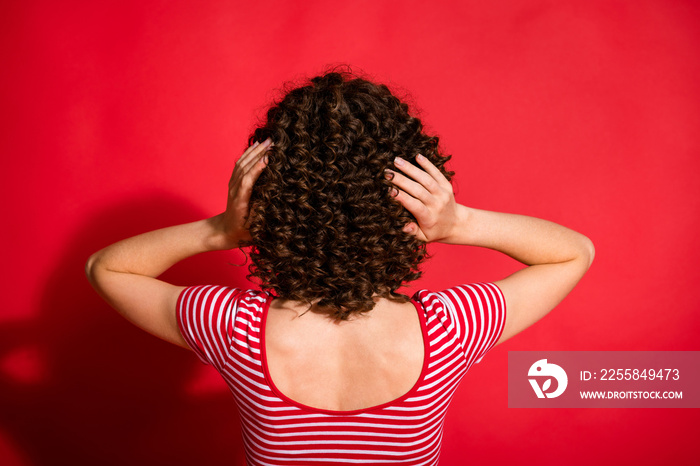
83	386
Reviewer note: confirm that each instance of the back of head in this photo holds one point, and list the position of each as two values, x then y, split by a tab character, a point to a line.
324	226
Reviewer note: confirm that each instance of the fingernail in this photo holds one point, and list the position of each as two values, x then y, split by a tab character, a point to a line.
398	161
393	192
265	158
256	144
388	174
419	157
268	141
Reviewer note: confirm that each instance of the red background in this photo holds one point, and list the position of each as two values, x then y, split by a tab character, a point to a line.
120	117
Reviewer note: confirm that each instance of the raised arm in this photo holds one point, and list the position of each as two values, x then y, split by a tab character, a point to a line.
557	257
124	273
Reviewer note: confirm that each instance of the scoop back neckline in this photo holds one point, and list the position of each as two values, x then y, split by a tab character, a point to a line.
302	406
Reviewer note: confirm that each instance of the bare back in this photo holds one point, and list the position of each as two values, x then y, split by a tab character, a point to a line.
367	361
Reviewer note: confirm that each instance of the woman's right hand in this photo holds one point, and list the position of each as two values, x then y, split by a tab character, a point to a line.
428	196
558	256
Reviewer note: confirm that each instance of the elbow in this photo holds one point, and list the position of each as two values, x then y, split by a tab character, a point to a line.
91	269
588	252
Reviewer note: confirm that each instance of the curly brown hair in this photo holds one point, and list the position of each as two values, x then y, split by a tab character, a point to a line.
323	223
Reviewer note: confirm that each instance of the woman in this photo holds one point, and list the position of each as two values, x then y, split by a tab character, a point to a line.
328	364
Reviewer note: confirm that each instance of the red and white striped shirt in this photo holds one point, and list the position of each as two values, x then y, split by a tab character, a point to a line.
224	326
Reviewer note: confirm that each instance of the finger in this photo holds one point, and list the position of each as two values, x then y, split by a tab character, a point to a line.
255	156
250	148
409	186
254	151
433	171
412	228
413	205
244	189
246	161
417	174
247	152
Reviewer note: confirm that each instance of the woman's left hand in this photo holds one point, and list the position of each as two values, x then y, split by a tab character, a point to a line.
234	221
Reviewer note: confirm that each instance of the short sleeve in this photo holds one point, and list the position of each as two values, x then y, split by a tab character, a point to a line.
205	316
478	313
